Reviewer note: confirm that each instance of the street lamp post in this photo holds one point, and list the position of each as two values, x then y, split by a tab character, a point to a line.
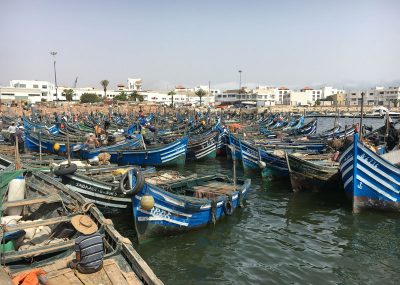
240	80
54	53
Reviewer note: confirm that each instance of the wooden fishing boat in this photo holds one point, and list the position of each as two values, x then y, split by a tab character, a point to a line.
223	141
185	205
87	153
273	163
313	172
45	239
50	143
234	142
369	179
202	146
250	155
172	153
102	186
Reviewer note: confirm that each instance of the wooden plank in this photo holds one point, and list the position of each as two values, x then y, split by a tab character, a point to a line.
56	272
114	274
35	224
44	199
131	278
73	279
99	277
16	255
60	280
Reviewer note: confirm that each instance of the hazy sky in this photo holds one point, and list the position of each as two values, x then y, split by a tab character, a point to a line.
292	43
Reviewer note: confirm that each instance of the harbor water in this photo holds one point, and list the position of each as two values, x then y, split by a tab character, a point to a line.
279	238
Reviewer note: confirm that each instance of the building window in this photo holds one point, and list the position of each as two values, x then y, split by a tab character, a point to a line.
35	86
44	86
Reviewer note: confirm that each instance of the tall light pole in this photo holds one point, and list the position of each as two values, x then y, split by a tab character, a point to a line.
53	53
240	80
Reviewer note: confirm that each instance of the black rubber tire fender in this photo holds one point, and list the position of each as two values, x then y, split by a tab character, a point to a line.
70	169
123	184
228	207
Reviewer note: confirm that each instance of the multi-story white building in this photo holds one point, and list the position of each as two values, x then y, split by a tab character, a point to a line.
306	96
281	93
134	84
377	96
330	91
297	98
266	96
31	91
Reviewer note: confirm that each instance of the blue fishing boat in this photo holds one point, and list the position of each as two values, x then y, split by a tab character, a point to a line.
172	153
185	205
250	155
87	153
273	163
371	181
35	141
202	146
234	141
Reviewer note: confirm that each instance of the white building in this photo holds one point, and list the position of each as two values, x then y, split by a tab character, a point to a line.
281	93
266	95
134	84
377	96
297	98
162	97
31	91
330	91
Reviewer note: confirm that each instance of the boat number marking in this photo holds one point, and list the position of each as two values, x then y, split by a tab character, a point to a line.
95	190
160	213
369	160
360	185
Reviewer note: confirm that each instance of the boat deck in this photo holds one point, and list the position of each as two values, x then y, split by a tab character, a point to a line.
110	274
213	190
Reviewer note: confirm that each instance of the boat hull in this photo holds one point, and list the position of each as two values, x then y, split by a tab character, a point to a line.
306	175
171	154
173	214
369	180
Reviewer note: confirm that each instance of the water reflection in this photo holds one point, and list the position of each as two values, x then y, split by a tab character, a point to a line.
279	238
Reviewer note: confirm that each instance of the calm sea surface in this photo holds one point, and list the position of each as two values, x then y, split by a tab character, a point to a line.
279	238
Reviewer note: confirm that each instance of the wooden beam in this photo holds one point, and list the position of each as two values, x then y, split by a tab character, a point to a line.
54	247
35	224
36	200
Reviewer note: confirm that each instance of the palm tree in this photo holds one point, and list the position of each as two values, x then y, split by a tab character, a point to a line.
172	93
134	95
201	93
105	83
68	93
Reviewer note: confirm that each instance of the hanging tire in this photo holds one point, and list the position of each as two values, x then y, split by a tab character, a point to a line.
228	207
124	183
69	169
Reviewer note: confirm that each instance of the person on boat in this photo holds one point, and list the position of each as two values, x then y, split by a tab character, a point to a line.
18	136
92	142
12	129
89	248
393	137
97	130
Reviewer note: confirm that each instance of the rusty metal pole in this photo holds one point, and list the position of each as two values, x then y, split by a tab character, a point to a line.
362	115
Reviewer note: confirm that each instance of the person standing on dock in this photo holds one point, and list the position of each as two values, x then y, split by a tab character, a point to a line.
12	129
89	246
